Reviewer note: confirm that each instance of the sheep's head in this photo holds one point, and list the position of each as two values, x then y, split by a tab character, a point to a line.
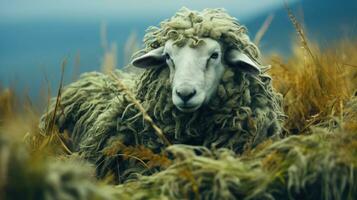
197	46
195	70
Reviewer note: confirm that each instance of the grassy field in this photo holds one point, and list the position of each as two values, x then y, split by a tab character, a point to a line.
317	159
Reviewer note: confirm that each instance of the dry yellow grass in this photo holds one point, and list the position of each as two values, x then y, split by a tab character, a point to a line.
17	117
315	89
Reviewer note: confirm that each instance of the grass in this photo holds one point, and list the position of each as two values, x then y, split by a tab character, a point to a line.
315	92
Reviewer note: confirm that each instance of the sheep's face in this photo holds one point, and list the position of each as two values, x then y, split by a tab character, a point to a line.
195	71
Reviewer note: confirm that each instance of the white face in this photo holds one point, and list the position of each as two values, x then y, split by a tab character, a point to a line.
195	72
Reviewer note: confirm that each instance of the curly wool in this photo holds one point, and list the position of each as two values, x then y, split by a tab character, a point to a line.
245	111
189	25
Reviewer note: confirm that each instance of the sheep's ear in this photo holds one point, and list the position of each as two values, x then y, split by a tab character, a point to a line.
238	59
152	58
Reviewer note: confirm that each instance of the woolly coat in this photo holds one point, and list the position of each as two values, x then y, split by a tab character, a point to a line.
105	126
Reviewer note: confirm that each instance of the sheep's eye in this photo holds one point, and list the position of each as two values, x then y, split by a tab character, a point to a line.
169	60
214	55
167	56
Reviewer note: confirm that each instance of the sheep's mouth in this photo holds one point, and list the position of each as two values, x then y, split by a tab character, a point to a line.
188	108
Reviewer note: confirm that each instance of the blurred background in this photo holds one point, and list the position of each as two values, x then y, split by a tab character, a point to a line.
37	36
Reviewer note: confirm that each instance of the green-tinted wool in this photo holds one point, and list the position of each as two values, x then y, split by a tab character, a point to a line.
189	26
244	113
298	167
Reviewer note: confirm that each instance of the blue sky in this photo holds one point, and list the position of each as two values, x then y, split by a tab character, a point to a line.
107	9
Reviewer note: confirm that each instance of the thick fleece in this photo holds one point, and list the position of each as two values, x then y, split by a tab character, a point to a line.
98	115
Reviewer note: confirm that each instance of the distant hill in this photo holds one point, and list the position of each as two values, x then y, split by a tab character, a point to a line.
325	21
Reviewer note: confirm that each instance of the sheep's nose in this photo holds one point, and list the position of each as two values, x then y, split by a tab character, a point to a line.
185	93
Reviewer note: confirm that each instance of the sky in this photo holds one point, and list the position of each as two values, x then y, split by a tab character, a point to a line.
106	9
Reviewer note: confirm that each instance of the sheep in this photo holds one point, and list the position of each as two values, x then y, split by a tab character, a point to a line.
202	83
